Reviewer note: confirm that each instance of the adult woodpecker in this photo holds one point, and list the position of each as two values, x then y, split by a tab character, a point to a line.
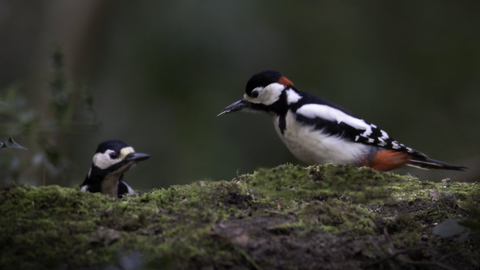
317	131
111	160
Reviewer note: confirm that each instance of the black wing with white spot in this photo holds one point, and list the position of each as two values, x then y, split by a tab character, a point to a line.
337	121
380	138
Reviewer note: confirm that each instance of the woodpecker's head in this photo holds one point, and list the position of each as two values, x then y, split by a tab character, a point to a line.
111	160
115	156
262	92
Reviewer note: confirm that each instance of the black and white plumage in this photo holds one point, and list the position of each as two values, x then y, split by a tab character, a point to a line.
111	160
317	131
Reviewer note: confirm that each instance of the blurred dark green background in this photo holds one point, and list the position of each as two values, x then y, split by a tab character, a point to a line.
161	71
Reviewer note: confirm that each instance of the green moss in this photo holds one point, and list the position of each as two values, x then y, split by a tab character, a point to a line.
206	224
289	183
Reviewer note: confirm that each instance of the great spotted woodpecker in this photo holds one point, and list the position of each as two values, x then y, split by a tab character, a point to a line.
317	131
111	160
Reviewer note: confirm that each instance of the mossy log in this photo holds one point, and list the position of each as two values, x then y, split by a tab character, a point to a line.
288	217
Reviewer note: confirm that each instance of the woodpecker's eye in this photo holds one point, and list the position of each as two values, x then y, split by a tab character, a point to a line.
254	94
113	155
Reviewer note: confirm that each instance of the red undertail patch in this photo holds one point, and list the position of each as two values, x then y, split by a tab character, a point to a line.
387	160
285	81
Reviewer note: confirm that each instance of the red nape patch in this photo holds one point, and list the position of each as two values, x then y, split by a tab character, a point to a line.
387	160
285	81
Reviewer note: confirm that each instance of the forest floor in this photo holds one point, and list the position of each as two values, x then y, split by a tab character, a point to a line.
288	217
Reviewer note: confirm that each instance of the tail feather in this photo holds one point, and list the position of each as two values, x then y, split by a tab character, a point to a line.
434	164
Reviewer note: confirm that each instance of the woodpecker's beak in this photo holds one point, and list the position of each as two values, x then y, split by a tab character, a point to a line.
136	157
236	106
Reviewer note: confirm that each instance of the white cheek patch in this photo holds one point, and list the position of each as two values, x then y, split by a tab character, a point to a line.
125	151
103	160
269	95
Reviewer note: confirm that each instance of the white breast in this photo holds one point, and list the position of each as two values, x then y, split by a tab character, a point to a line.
317	147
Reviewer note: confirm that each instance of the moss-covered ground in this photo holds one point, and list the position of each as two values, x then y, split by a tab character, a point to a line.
288	217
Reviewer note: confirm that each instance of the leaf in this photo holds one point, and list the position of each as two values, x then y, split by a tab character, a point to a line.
12	144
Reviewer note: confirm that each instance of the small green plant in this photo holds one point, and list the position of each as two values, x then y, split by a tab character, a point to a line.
43	126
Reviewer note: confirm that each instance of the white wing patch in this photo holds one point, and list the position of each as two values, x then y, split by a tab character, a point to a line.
381	142
395	145
384	134
84	188
292	96
130	192
332	114
367	133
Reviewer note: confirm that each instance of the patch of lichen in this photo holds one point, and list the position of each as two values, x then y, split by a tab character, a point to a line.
184	226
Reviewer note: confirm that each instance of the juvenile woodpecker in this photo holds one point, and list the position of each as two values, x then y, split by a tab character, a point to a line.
317	131
111	160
